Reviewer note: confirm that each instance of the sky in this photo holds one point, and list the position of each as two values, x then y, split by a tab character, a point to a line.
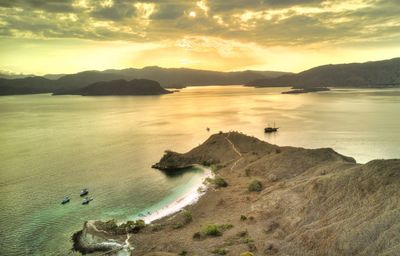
67	36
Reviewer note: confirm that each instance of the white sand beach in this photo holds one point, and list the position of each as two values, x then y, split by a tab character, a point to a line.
190	197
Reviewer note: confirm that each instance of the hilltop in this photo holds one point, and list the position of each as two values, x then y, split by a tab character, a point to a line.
270	200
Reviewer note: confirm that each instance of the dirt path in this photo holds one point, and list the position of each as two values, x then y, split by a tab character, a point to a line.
237	152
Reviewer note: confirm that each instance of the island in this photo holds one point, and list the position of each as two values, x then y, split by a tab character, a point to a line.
265	199
306	90
119	87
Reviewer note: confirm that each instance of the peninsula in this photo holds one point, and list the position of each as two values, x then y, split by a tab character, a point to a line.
268	200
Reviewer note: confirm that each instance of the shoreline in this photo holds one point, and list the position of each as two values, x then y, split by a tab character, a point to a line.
86	242
189	197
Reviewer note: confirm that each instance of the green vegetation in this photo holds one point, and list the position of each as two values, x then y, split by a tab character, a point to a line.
220	251
185	218
216	230
207	162
247	172
187	215
218	182
177	226
111	226
255	186
243	217
183	253
134	227
212	230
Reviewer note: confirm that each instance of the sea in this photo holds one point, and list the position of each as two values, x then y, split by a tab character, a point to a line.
53	146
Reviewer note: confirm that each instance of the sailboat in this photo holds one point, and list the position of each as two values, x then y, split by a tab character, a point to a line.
270	129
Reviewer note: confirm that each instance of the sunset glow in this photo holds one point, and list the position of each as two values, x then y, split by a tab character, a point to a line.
42	37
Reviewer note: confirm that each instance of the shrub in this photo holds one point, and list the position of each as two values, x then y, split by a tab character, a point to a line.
220	251
243	217
246	254
183	253
187	215
252	247
197	235
255	186
109	226
220	182
247	172
207	162
212	230
135	227
225	226
178	226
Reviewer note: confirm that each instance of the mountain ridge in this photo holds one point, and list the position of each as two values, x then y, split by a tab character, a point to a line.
167	77
383	73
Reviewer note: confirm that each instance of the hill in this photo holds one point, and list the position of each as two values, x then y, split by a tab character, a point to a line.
385	73
28	85
275	201
122	87
167	77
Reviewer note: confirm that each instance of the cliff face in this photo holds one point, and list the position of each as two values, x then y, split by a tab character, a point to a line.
311	202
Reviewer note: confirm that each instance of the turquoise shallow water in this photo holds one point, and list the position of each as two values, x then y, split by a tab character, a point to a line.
52	146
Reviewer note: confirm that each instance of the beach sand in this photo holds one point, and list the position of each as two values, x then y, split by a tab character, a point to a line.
189	197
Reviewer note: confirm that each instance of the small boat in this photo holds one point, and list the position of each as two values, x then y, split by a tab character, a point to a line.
84	192
270	129
65	200
87	200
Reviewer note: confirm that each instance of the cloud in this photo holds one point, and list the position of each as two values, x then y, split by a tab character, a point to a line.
116	10
265	22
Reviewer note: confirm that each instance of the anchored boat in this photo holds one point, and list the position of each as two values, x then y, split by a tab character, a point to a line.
87	200
84	192
270	129
65	200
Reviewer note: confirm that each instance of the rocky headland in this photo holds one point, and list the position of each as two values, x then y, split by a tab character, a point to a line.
269	200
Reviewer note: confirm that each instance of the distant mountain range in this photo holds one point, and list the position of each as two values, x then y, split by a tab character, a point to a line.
385	73
382	74
167	77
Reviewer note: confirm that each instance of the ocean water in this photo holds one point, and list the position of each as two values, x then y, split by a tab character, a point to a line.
51	146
